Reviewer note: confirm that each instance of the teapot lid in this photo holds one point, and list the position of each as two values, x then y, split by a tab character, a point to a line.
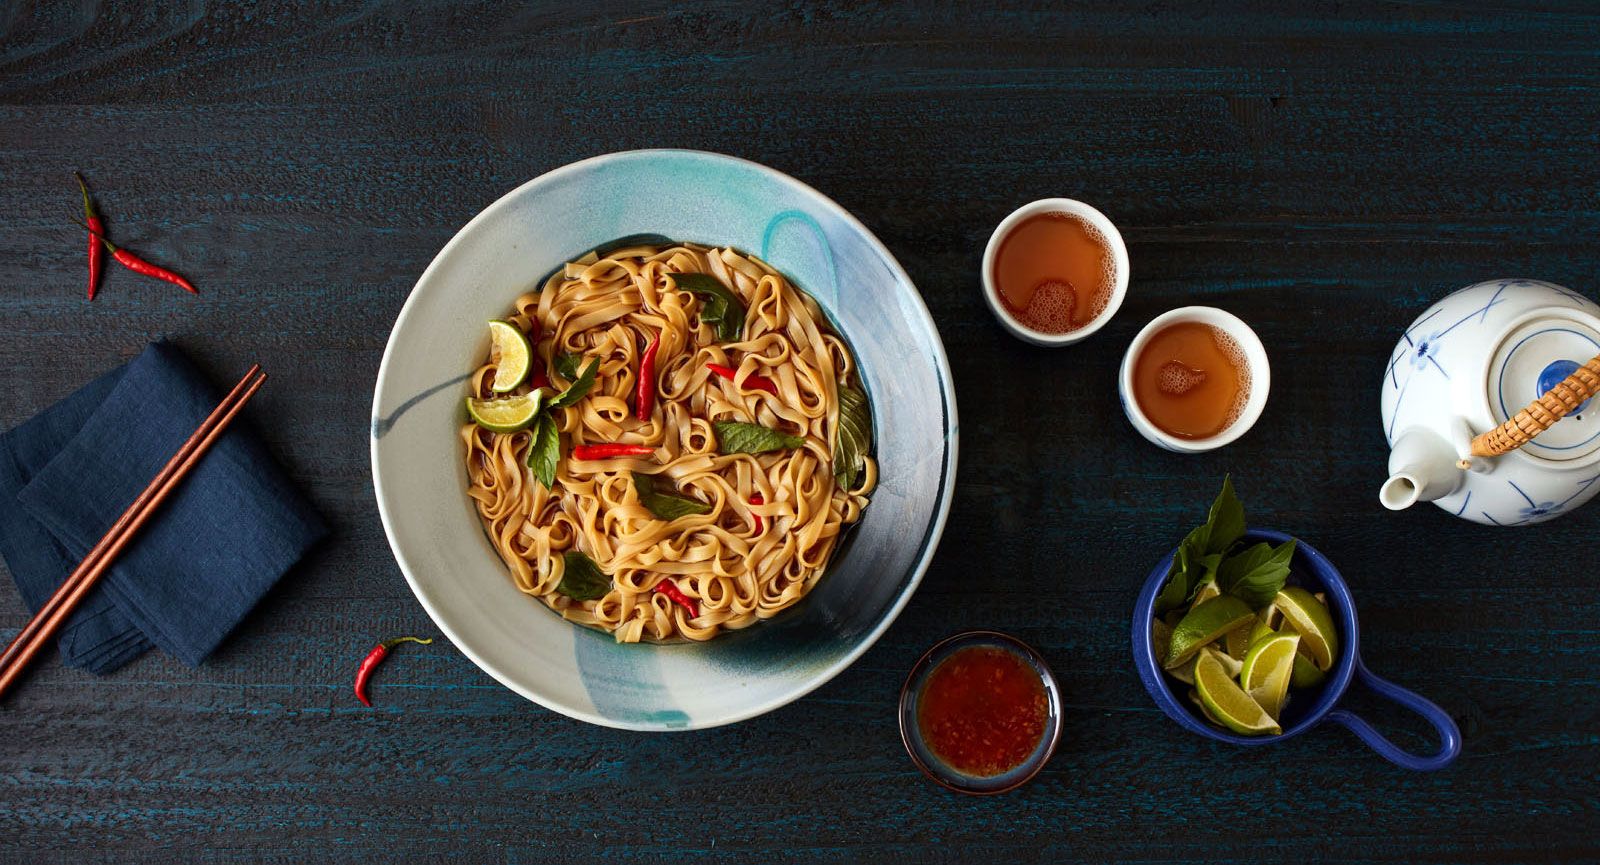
1534	358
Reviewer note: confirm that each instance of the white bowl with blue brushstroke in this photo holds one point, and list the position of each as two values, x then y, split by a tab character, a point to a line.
420	478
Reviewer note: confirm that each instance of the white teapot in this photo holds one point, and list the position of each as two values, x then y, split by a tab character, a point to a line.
1473	381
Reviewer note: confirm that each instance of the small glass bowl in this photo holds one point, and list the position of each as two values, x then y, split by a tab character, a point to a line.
931	765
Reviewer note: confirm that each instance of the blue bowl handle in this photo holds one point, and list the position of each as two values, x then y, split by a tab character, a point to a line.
1449	734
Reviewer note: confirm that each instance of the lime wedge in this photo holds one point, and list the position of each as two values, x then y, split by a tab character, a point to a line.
1266	672
1261	631
506	414
1306	674
1184	672
1204	623
1233	665
1313	621
1206	592
1194	697
512	355
1237	710
1237	642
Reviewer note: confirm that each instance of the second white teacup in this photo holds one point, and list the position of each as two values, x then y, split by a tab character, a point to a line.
1255	357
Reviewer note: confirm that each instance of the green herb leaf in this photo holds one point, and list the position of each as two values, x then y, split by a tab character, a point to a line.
752	438
582	579
579	388
1202	550
1225	521
721	306
544	451
666	506
566	363
1256	574
854	438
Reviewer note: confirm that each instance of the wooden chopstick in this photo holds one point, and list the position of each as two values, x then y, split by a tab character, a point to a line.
49	619
138	505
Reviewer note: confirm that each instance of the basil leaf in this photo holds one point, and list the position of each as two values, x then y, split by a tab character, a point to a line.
1225	521
579	388
582	579
752	438
545	450
1256	574
666	506
721	306
1186	574
1201	552
566	363
854	438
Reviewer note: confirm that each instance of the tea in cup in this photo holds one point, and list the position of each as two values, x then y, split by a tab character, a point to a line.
1194	379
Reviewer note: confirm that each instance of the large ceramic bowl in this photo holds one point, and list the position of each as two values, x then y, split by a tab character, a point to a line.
419	475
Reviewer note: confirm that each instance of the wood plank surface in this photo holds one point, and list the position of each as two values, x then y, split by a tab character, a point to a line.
1323	170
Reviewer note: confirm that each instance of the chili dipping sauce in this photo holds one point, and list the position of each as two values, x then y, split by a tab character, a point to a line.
982	711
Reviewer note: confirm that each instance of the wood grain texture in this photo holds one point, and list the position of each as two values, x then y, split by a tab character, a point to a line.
1323	170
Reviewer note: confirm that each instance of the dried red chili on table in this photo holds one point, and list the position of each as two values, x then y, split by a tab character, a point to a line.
645	398
96	226
754	382
601	452
676	595
373	659
139	265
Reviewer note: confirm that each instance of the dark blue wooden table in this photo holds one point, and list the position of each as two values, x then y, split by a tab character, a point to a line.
1324	170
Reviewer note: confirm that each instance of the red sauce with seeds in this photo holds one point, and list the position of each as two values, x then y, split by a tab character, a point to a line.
982	711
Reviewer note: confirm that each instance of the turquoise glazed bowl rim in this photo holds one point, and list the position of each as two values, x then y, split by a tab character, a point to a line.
507	249
931	765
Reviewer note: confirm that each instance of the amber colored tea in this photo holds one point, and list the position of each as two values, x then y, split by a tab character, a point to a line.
1054	272
1191	380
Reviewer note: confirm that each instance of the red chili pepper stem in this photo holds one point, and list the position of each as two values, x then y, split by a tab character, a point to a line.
644	399
137	264
96	227
373	659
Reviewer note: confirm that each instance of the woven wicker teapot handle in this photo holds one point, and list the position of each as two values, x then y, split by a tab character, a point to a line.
1542	412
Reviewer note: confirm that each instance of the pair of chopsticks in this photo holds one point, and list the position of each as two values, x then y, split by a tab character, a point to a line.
44	624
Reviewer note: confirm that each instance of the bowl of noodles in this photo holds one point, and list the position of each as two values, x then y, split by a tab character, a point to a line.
697	464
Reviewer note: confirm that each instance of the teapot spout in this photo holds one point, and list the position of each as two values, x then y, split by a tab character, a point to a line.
1422	467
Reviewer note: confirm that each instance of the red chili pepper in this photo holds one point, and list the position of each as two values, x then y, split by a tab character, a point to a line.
645	398
761	524
373	659
92	219
753	381
676	595
139	265
600	452
540	377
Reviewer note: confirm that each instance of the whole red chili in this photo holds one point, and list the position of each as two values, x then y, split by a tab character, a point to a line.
373	659
645	397
676	595
761	524
92	219
755	382
139	265
600	452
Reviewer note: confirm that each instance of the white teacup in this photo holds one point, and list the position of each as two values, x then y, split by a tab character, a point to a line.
1255	356
1119	257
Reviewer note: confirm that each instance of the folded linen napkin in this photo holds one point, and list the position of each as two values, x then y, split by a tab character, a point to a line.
224	536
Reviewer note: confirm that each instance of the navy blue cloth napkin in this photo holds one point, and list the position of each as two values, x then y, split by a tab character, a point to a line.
229	530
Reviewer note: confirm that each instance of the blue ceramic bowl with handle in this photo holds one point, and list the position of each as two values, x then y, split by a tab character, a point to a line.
1310	707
